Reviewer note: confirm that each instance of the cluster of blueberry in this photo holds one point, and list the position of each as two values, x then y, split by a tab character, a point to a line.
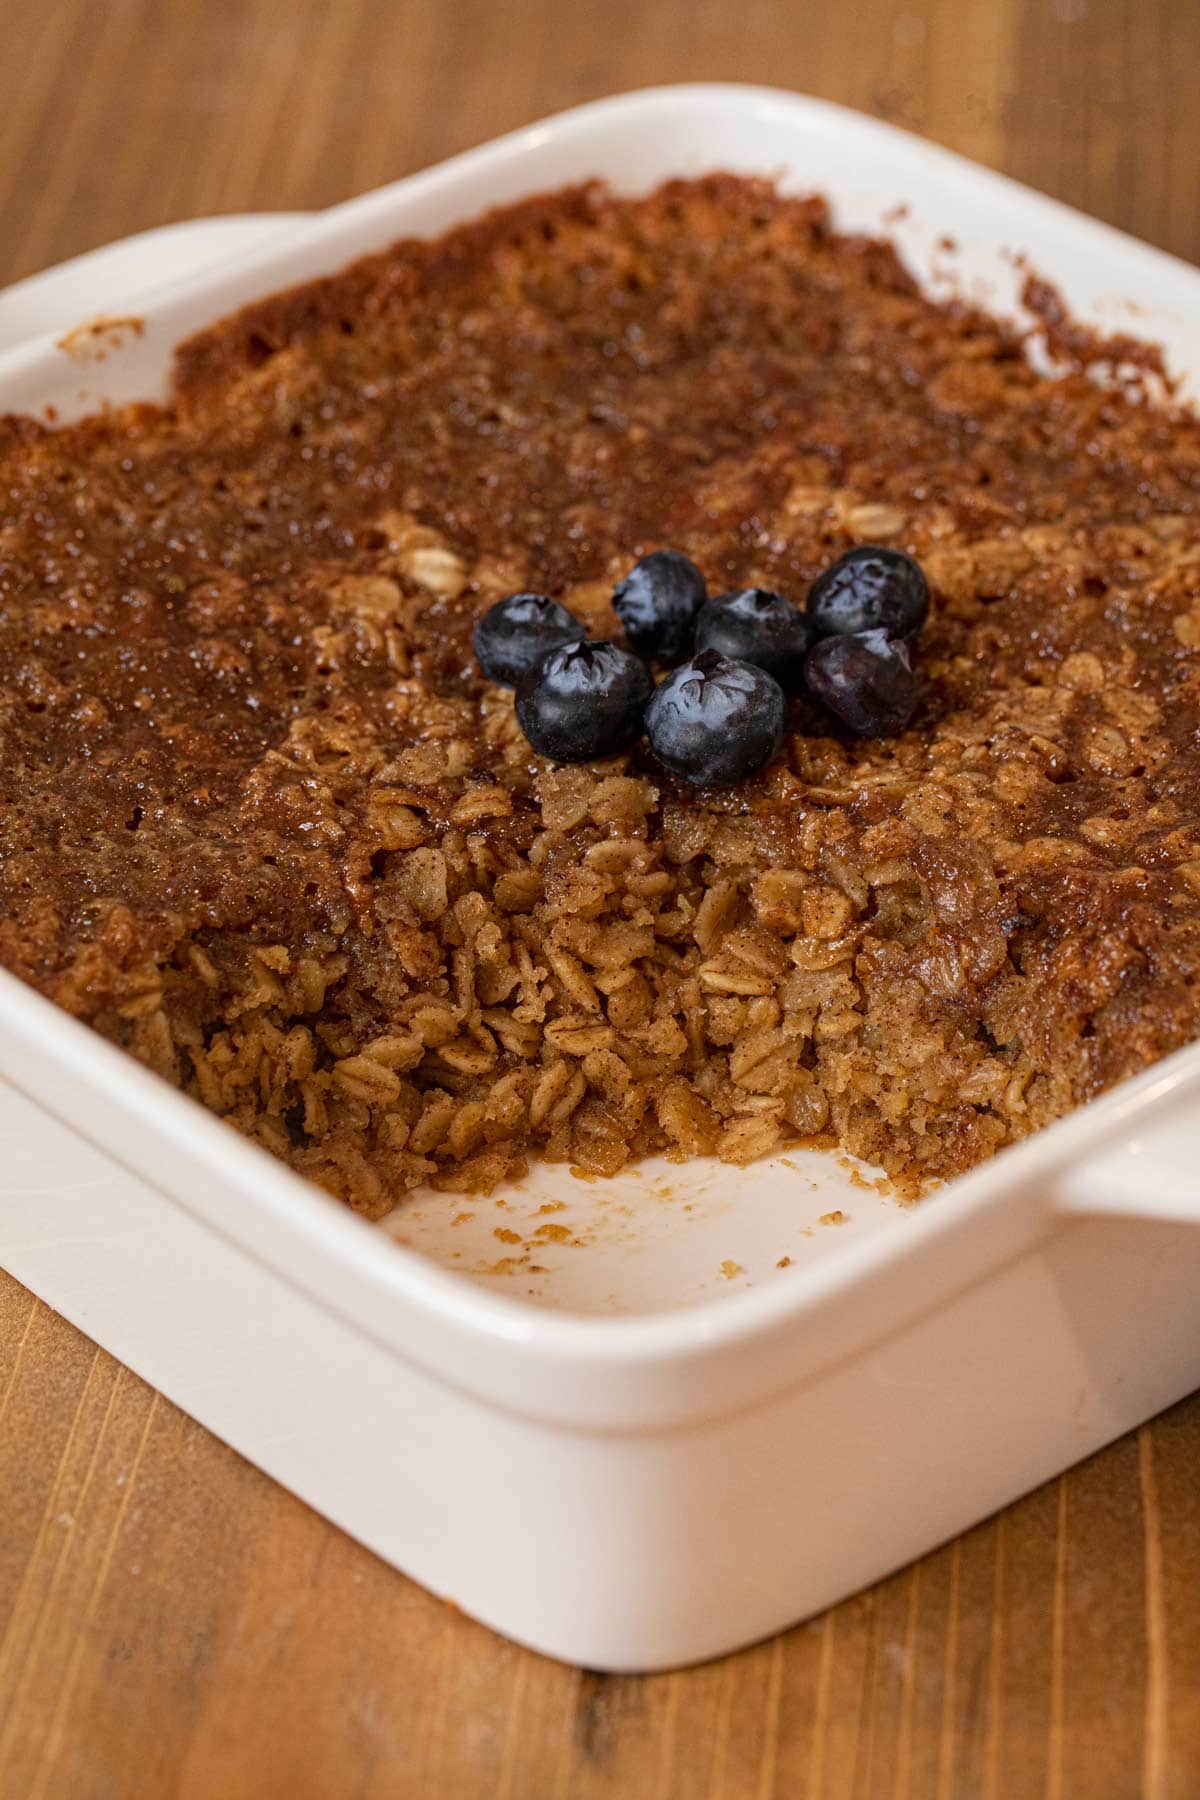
719	716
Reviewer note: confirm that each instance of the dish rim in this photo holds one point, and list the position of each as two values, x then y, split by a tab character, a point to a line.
339	1251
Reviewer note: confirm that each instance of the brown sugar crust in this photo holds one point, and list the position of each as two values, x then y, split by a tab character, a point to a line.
1070	341
264	825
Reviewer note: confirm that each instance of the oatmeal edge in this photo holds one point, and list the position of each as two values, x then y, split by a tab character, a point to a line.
263	824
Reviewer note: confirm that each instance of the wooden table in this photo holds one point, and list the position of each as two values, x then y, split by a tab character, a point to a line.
173	1623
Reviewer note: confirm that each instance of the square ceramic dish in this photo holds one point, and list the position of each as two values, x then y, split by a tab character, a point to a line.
648	1444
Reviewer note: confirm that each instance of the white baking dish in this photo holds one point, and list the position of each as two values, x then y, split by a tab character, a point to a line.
657	1445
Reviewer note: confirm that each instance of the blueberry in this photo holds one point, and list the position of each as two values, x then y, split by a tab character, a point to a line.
513	636
759	627
714	721
865	680
870	589
657	604
584	700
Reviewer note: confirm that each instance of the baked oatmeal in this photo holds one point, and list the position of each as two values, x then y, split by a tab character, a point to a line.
266	826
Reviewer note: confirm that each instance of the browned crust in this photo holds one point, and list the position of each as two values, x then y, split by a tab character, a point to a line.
262	823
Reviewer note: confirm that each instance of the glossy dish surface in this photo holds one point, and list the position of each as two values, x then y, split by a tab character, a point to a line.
659	1374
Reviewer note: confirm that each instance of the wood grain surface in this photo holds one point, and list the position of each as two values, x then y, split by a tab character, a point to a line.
172	1623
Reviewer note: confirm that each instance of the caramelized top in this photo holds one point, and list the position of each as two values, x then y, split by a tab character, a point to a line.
227	625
